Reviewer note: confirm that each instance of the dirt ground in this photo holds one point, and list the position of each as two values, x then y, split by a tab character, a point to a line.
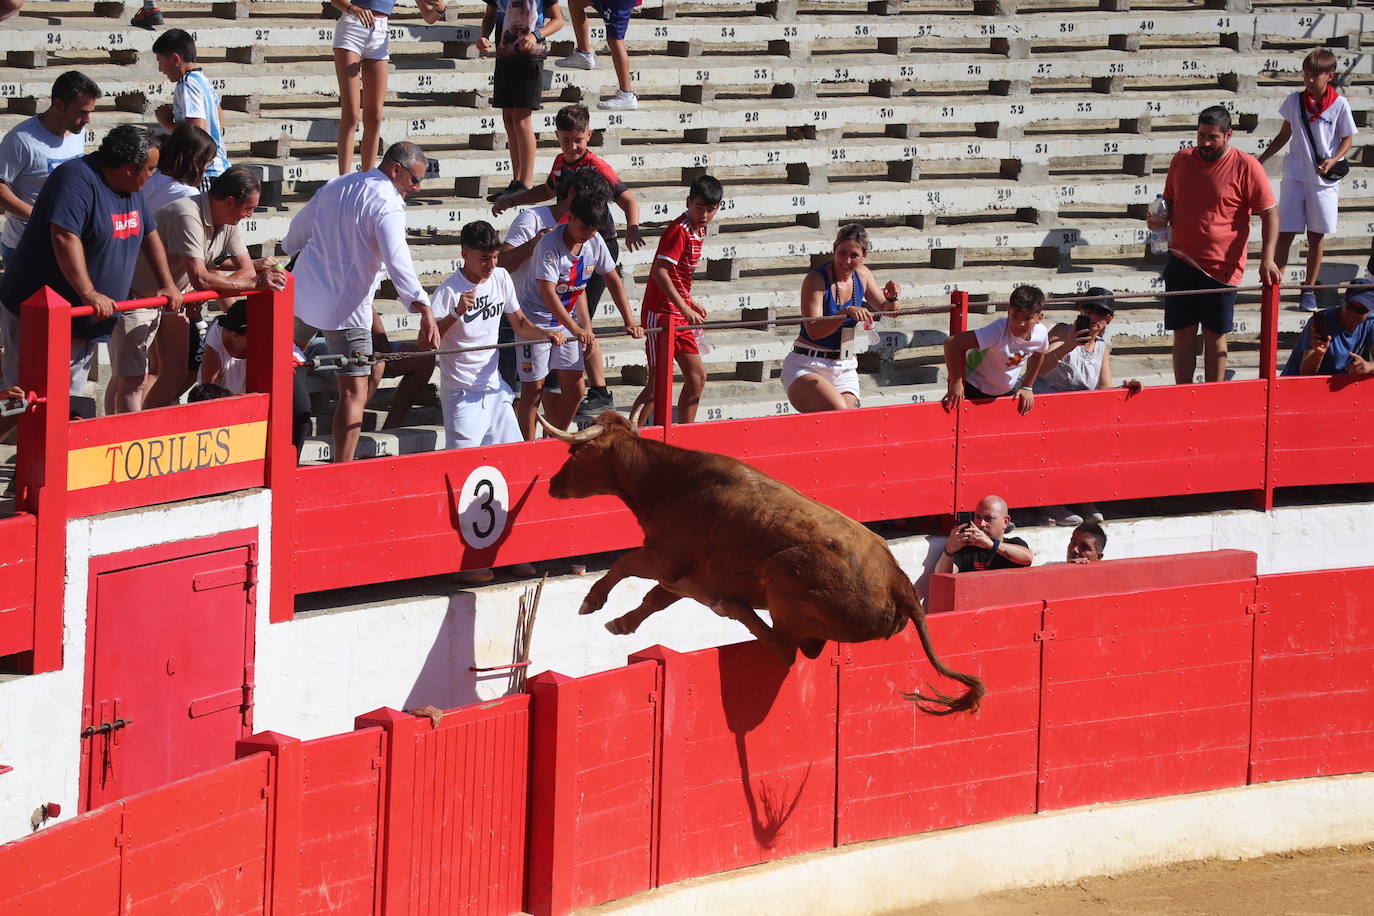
1337	881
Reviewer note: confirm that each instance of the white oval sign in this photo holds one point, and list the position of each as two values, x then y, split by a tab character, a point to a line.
483	505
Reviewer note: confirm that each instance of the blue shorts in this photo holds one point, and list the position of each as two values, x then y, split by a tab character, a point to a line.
1213	310
616	15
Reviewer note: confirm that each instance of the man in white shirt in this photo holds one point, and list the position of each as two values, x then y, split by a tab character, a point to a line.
478	405
33	148
351	231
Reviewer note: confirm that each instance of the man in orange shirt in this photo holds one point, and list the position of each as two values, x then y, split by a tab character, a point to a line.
1212	190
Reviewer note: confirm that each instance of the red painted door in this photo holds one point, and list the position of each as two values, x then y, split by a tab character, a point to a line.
169	685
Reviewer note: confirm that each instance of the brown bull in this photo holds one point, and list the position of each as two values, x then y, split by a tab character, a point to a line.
729	536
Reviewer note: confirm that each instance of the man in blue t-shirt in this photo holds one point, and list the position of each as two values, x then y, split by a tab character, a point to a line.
1336	341
87	231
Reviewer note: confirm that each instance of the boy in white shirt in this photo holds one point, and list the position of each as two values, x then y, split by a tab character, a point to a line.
1308	198
1001	358
477	404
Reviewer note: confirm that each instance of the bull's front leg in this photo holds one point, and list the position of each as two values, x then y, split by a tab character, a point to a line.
656	600
784	648
640	562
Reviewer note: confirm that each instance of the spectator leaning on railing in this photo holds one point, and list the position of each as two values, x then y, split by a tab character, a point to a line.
88	230
1337	341
980	543
1001	358
1087	544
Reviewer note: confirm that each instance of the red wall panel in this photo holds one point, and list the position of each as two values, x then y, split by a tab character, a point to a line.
1145	694
70	868
748	758
18	540
901	771
594	789
1318	435
340	808
1314	675
1093	445
199	845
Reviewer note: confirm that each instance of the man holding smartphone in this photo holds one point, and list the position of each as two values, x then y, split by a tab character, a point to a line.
980	543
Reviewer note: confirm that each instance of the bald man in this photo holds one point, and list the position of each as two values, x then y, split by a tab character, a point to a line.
979	544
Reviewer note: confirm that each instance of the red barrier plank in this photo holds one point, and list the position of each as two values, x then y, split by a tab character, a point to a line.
1317	436
70	868
594	789
1314	675
1072	580
1099	445
1146	694
903	772
181	452
882	462
340	813
748	758
199	845
18	543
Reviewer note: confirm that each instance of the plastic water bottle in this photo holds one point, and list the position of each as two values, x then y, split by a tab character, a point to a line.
1159	238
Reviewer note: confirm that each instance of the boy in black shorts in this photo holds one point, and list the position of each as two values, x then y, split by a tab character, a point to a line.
521	28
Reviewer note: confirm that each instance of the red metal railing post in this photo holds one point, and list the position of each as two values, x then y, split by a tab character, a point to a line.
270	370
394	828
283	860
1269	361
45	355
553	809
958	313
663	376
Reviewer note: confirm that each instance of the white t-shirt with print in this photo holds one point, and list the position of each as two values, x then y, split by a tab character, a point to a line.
1333	125
996	364
526	225
476	327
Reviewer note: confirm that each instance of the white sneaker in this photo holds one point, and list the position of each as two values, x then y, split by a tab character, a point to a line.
621	101
579	60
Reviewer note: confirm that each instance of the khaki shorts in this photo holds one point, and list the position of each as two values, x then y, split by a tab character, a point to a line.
133	335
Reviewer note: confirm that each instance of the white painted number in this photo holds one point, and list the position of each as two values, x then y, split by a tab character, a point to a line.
482	507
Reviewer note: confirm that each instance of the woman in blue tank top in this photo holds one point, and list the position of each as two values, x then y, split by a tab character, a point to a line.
821	372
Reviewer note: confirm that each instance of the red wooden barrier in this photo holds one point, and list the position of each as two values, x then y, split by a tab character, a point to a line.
340	817
1317	431
594	787
18	538
455	797
1147	693
1314	675
748	759
1100	445
903	772
71	868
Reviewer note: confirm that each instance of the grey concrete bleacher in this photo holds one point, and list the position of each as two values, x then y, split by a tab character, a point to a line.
984	147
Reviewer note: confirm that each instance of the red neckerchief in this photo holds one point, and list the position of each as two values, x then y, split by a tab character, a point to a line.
1317	108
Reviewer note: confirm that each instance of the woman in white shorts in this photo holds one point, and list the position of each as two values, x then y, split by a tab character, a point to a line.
360	55
821	372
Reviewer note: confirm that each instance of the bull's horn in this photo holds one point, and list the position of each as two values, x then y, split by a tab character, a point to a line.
586	435
635	413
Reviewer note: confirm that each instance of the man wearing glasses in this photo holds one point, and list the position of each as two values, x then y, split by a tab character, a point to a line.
350	232
1336	341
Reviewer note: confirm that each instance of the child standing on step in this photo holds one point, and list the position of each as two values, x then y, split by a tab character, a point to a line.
670	293
194	99
1319	122
616	15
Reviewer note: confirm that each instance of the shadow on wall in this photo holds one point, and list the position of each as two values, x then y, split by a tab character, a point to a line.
750	678
444	679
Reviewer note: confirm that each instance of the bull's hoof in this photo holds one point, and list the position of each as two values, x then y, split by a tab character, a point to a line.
620	627
590	606
812	648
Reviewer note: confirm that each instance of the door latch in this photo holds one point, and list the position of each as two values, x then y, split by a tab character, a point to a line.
105	727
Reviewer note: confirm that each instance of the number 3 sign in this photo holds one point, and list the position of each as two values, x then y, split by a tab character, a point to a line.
482	507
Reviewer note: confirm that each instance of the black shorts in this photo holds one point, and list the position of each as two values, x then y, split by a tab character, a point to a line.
596	286
518	82
1213	311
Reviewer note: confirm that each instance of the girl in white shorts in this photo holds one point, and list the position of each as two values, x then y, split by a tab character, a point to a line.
821	372
360	56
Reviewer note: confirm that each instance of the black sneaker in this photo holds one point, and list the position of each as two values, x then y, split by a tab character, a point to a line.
594	403
147	18
515	187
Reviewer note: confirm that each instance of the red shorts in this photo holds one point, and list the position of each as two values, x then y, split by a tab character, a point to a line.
684	340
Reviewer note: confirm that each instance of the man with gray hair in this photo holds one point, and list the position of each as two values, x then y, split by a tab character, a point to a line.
350	232
88	229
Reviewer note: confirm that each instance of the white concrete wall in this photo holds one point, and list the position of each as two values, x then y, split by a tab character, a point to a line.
40	715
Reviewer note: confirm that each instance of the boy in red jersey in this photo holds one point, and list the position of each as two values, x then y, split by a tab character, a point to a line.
572	126
670	293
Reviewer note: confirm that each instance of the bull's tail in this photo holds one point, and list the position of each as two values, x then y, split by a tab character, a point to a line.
936	703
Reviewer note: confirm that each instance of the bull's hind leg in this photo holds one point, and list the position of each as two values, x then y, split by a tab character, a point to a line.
656	600
736	610
635	562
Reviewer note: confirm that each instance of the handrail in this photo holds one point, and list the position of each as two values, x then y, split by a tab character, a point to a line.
128	305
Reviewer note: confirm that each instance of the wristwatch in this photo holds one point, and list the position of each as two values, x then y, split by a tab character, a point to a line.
996	543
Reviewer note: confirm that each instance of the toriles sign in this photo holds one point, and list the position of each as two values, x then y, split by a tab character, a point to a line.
139	459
